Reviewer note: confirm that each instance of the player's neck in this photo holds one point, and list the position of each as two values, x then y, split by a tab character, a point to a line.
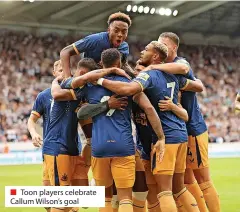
171	58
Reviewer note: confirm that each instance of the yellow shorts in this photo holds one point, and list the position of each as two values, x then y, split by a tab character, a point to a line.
174	160
139	164
197	154
119	169
62	169
80	171
45	176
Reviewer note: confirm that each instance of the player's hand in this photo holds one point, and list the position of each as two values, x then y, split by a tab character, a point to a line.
37	140
159	149
117	103
166	105
120	72
59	78
148	68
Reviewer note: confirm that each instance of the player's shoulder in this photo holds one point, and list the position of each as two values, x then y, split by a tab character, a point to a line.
123	45
181	60
44	93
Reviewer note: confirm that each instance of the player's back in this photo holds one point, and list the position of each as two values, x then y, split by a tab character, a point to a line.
112	131
62	134
196	124
42	107
162	85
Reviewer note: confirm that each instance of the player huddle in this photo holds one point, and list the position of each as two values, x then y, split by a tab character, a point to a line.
166	169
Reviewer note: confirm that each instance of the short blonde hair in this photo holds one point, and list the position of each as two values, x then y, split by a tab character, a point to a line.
161	49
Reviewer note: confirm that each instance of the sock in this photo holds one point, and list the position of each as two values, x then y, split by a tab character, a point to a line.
139	200
125	205
167	203
115	203
187	200
154	207
48	209
179	205
211	196
108	206
195	190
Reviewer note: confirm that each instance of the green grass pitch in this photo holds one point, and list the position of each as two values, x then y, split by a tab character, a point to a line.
225	174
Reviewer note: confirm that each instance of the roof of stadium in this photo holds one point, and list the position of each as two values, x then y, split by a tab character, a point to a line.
219	17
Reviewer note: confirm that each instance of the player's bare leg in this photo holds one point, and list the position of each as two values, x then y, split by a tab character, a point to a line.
140	189
108	198
182	195
152	200
194	189
209	191
125	199
47	183
165	195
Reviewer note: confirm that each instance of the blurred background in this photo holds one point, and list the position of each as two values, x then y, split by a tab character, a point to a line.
32	33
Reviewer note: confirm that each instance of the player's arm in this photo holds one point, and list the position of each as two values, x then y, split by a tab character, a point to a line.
171	68
31	124
95	75
141	82
90	110
65	55
142	100
60	94
237	102
178	110
126	67
190	85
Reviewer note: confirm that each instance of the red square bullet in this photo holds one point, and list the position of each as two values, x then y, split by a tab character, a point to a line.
13	192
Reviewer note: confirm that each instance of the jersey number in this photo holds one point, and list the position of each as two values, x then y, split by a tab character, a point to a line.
104	99
172	86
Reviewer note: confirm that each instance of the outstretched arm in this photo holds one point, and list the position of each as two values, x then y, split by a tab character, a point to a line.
121	88
95	75
171	68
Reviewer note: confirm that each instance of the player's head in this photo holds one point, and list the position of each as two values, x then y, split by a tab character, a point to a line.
57	69
171	40
154	53
84	66
118	24
111	58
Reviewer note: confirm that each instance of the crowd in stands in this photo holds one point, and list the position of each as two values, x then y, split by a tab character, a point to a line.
26	63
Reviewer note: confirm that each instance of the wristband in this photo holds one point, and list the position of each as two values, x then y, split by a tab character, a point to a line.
100	81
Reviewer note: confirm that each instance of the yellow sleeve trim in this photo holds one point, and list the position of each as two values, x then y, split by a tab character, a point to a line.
139	84
187	83
36	113
73	94
75	48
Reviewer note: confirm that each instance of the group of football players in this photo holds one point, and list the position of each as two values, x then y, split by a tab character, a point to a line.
164	166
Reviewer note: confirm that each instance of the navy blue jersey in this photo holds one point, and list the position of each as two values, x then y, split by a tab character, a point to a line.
93	45
144	132
157	85
62	133
112	130
42	107
196	124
